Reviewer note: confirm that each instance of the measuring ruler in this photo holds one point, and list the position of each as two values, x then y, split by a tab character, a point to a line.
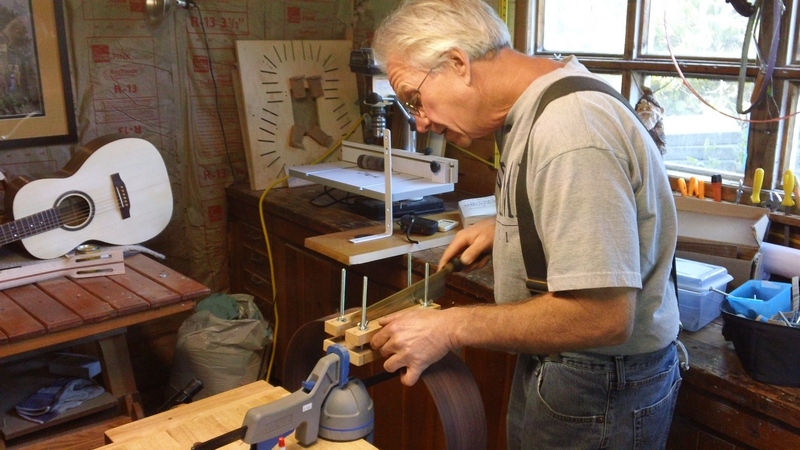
506	9
502	10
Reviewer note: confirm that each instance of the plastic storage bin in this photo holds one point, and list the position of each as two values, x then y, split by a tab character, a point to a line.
698	303
761	299
767	351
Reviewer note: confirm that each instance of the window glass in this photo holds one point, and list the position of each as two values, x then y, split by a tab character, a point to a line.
699	139
697	28
794	156
615	80
703	34
796	59
584	26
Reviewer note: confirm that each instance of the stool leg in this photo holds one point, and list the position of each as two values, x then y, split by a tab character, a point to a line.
118	373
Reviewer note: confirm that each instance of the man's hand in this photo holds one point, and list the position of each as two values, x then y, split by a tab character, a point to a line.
472	244
413	338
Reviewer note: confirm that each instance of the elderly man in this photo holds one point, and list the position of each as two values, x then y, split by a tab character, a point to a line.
597	364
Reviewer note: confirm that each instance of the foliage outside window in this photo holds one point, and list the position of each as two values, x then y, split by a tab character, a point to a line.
627	41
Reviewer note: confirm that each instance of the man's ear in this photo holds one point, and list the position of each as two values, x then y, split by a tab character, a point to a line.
460	62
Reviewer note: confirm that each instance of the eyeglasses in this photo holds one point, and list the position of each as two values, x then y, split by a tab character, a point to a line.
414	104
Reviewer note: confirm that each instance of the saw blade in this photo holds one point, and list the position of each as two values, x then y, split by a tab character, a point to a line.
414	293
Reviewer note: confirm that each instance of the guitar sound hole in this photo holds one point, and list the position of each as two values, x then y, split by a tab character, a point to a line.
75	210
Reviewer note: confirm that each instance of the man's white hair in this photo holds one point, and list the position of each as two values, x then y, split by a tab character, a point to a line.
420	32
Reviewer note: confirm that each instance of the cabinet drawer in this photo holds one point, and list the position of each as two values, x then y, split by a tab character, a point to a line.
253	237
254	257
261	289
255	262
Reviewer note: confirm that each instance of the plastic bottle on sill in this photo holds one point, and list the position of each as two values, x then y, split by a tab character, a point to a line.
716	187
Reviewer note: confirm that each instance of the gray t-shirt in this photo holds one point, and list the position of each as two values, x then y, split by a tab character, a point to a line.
602	205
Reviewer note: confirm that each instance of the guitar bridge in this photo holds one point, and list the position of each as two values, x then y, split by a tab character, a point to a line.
123	200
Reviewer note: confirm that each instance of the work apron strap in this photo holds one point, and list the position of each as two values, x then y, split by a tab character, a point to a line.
532	250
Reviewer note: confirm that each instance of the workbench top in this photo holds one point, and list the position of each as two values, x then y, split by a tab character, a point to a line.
185	425
297	204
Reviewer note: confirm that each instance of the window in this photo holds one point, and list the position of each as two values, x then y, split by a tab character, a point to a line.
629	42
698	29
794	140
567	22
700	140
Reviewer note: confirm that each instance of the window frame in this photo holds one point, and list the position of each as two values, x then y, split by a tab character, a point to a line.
768	144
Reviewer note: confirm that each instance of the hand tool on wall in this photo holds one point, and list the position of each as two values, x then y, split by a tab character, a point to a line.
695	188
758	181
774	201
788	188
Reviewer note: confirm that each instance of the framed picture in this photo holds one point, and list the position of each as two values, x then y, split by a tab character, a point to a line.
36	106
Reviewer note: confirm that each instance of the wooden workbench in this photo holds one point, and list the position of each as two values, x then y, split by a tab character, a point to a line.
719	405
181	427
93	313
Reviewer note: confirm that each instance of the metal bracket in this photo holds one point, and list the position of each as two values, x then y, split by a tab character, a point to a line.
387	195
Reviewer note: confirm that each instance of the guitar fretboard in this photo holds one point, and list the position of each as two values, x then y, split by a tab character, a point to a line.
30	225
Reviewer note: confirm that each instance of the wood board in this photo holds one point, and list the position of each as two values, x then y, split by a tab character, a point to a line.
22	270
183	426
338	246
277	95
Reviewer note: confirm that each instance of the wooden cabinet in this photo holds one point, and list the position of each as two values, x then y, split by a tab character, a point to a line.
306	284
251	263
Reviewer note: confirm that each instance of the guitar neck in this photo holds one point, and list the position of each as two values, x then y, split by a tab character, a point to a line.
30	225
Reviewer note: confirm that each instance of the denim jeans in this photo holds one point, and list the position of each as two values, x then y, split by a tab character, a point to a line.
592	401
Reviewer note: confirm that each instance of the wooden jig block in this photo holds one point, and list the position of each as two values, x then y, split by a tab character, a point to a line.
358	356
355	339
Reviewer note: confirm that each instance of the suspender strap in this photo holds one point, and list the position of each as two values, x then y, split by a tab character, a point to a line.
532	250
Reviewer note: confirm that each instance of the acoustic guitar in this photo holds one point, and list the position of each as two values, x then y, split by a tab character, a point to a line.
114	190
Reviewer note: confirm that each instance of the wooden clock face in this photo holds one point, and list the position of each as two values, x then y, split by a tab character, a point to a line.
296	98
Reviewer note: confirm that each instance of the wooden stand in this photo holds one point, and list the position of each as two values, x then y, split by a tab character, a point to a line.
93	314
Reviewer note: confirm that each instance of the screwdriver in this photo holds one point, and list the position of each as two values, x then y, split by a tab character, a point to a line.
788	187
758	180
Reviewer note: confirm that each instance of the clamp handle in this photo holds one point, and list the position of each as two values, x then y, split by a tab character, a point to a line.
300	410
758	180
788	187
